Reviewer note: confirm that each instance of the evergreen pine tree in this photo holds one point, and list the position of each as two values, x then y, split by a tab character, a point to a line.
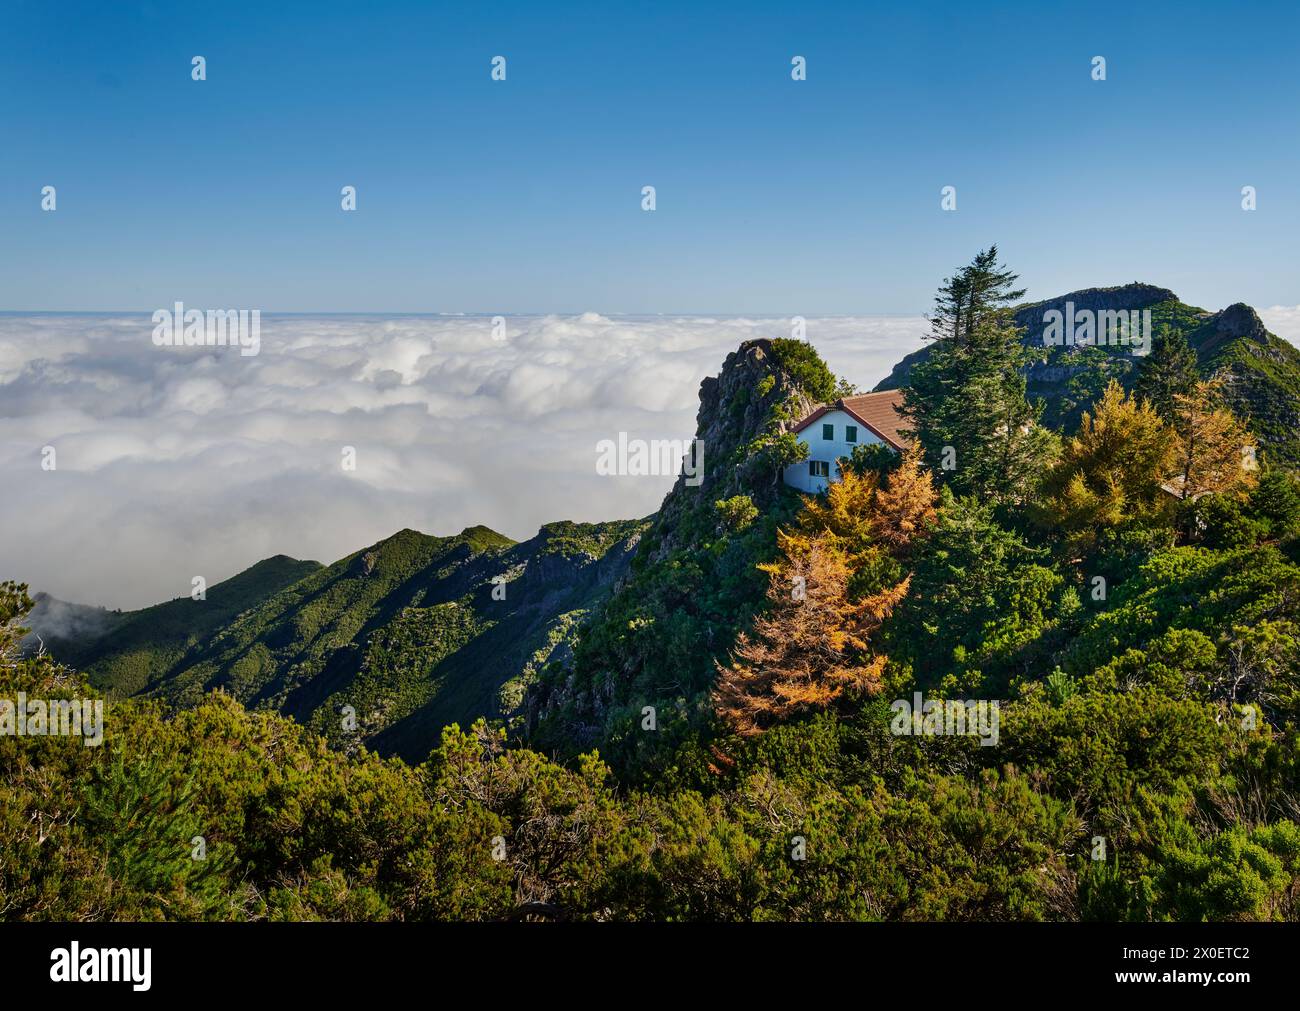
966	402
1167	372
146	811
966	300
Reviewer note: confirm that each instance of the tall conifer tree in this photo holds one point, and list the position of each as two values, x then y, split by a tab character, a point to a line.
966	402
1169	371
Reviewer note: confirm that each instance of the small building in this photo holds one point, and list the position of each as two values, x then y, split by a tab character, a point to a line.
834	431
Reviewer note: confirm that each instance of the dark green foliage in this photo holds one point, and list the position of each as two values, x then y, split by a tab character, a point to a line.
1092	369
875	457
1218	626
1275	503
965	403
1167	371
1220	521
567	539
1119	551
661	634
736	513
145	813
804	365
980	602
407	632
1100	748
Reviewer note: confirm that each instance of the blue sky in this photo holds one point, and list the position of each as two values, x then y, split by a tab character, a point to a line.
774	196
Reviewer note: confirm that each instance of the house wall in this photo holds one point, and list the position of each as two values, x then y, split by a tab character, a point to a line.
797	475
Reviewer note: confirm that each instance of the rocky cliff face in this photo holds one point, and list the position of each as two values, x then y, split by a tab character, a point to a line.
1237	322
693	583
1260	375
750	402
1125	296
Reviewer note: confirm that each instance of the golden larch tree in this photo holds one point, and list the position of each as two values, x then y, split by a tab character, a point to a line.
1111	471
864	511
811	647
1215	450
905	505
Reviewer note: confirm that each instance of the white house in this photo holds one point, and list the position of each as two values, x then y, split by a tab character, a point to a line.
833	431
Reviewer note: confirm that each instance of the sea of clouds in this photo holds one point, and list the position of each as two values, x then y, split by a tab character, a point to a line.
182	462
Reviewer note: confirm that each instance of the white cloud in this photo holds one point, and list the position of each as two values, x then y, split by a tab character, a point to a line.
1283	320
176	462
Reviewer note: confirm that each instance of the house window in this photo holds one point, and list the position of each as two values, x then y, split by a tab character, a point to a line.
819	468
828	432
850	433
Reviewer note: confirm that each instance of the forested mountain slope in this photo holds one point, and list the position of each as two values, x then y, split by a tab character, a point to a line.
408	632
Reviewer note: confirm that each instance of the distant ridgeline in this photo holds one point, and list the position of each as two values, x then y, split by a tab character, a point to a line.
413	633
1260	371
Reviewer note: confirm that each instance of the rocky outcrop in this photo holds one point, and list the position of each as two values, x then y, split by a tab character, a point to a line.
745	411
1119	297
751	400
1260	376
1237	322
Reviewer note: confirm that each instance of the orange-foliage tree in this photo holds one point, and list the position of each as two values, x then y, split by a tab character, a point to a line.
812	646
905	504
1215	450
861	512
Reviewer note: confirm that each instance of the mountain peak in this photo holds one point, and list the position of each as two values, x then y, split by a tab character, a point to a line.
1239	321
482	537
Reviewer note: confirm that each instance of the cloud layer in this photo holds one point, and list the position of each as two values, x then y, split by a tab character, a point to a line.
177	462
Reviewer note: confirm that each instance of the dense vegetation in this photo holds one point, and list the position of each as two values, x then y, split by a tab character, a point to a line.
1127	590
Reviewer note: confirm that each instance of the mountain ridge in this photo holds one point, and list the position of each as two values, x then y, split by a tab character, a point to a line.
378	630
1260	371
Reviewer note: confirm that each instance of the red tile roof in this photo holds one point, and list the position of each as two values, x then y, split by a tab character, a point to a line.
877	411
